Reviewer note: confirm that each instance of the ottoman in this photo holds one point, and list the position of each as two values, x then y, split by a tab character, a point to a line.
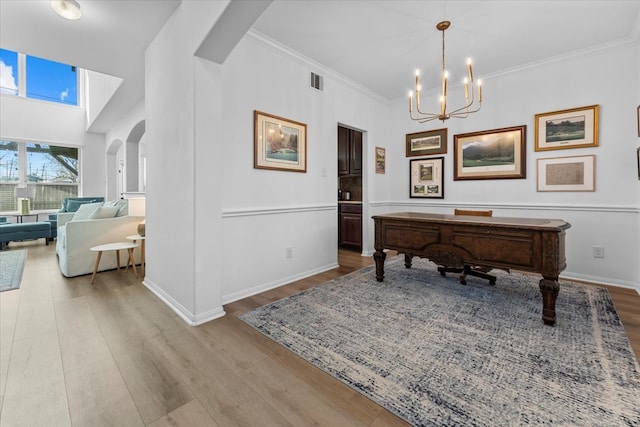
24	231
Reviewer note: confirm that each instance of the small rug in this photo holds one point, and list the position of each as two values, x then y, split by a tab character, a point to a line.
438	353
11	267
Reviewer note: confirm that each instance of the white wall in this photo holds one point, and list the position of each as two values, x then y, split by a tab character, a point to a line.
179	142
607	217
266	211
26	119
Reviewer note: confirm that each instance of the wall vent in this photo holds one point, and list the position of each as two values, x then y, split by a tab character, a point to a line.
316	81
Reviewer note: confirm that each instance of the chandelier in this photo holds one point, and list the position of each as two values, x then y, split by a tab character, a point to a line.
470	104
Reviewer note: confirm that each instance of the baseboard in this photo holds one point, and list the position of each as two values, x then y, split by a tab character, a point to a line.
236	296
596	280
190	318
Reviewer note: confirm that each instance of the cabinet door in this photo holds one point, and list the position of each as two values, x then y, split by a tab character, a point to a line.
343	151
355	158
351	230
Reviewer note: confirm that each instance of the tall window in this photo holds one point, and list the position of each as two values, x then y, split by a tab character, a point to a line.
43	79
52	172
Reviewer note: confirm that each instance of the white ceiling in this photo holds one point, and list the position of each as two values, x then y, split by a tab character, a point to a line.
377	44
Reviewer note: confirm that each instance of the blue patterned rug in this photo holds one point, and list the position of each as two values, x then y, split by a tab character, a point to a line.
437	353
11	267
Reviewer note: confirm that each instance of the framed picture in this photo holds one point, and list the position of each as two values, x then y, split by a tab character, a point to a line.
279	143
574	128
427	143
426	178
638	153
490	154
574	173
381	160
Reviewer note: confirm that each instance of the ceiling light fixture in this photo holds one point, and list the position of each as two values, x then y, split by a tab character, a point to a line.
470	105
68	9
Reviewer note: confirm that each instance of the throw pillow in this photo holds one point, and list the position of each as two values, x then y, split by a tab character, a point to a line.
122	204
104	212
74	205
85	211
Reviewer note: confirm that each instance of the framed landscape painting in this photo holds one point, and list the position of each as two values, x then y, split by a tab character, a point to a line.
279	143
426	178
427	143
490	154
573	128
574	173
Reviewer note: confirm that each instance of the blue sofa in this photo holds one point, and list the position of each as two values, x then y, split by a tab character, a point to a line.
70	204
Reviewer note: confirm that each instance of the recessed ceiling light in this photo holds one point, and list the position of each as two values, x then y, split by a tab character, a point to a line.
68	9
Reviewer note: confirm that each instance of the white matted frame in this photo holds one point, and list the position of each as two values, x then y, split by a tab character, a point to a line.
426	177
573	173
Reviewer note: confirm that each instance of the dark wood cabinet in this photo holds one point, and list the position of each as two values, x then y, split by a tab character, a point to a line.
350	225
349	152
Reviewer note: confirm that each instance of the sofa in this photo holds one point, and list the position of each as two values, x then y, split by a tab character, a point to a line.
91	225
69	204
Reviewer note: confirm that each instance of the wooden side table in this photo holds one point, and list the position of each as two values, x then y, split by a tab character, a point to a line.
142	239
118	246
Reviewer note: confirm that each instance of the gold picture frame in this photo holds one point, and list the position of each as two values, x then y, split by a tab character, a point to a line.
426	178
572	173
279	143
426	143
563	129
491	154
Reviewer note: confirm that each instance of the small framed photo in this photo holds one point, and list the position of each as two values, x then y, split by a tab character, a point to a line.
574	173
638	153
279	143
490	154
573	128
427	143
426	178
381	160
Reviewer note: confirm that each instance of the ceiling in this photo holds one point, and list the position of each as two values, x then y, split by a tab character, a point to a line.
377	44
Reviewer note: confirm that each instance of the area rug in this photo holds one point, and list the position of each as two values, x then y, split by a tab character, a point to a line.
438	353
11	267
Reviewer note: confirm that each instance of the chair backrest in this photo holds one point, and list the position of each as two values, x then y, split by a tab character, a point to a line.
472	213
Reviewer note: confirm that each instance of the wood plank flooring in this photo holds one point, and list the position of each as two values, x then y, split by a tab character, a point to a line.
112	354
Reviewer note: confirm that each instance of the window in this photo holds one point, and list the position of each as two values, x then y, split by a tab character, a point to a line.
51	81
52	172
8	72
43	79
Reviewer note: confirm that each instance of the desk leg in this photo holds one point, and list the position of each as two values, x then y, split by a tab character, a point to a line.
95	267
379	256
549	289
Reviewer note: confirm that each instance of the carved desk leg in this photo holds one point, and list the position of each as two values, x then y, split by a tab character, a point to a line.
408	258
549	289
379	256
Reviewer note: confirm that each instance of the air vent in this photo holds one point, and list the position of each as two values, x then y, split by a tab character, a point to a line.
316	81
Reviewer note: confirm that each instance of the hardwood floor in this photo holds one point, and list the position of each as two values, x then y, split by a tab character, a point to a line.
113	354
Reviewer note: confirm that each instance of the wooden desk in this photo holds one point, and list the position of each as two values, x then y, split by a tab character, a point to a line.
527	244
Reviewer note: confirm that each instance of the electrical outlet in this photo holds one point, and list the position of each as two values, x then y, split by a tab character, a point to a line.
288	252
598	251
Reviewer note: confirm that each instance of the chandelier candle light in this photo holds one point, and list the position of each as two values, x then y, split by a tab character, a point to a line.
460	113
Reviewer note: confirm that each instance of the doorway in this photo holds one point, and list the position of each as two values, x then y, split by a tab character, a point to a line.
350	194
